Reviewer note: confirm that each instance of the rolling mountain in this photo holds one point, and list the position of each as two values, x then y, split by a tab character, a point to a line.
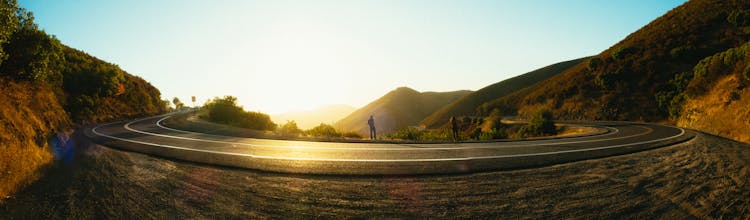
654	73
308	119
398	109
468	104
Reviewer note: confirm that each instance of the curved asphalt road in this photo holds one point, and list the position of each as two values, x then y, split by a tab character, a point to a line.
149	136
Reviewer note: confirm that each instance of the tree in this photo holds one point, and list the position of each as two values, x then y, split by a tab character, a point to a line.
323	130
31	53
226	111
8	21
290	129
540	123
193	99
177	103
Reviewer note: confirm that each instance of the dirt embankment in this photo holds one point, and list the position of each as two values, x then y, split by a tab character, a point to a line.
704	178
722	111
29	115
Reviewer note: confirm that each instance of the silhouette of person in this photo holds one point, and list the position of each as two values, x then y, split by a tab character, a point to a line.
371	122
454	127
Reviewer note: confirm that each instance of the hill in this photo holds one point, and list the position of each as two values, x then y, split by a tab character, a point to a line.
643	77
309	119
46	89
716	99
399	108
468	105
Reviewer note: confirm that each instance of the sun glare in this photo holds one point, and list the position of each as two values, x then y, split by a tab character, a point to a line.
300	66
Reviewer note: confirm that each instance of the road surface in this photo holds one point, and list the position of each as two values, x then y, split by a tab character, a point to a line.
149	136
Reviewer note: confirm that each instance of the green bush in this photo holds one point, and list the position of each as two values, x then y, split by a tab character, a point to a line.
323	130
683	52
540	123
739	18
32	54
607	80
290	129
595	63
226	111
622	52
408	133
670	99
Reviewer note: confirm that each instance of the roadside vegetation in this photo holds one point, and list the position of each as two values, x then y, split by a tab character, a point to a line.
226	111
540	124
471	104
46	89
327	131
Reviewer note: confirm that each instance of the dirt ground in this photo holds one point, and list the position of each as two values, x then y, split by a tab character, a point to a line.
704	178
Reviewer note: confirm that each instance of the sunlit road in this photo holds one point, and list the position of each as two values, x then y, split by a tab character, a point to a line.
149	136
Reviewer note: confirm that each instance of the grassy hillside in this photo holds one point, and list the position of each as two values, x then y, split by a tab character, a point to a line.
469	104
97	91
30	115
46	88
631	80
398	109
717	99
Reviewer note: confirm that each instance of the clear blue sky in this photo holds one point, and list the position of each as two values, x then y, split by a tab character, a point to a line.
277	56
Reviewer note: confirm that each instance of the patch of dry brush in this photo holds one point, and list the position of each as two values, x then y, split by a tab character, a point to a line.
29	114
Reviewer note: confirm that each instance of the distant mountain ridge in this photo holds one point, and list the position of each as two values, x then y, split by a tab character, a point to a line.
468	104
397	109
328	114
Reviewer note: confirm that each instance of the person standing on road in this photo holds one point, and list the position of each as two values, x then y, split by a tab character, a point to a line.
371	122
454	127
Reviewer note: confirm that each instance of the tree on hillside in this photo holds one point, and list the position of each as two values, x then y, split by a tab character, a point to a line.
31	53
8	21
177	103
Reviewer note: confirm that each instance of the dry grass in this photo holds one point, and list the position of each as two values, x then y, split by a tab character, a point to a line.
28	115
722	111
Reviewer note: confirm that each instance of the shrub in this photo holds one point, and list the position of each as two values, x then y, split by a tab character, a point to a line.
290	129
594	63
540	123
32	54
683	52
323	130
607	80
622	52
739	18
409	133
226	111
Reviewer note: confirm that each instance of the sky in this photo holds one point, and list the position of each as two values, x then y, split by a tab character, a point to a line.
278	56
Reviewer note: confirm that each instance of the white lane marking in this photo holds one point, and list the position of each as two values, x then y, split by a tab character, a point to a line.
478	145
94	130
